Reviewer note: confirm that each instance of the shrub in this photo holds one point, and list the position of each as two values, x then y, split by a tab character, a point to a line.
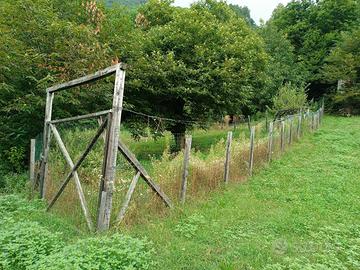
290	98
23	244
13	182
110	253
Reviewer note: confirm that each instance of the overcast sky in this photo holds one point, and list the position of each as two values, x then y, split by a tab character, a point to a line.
260	9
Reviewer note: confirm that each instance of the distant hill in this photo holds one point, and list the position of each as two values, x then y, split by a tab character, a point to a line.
128	3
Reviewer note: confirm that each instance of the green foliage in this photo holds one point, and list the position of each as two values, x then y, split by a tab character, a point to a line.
290	97
13	182
128	3
201	62
23	244
313	27
190	226
243	12
106	253
343	64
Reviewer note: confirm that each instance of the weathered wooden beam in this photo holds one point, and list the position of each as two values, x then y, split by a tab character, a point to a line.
290	130
80	117
252	148
32	161
299	124
185	168
137	166
128	196
77	165
76	176
227	157
86	79
270	141
112	148
46	144
282	136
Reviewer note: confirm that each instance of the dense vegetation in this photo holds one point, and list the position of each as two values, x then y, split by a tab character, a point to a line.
198	63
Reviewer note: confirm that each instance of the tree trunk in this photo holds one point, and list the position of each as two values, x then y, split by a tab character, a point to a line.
178	131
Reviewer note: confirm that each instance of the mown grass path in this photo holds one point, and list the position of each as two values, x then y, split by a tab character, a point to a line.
302	212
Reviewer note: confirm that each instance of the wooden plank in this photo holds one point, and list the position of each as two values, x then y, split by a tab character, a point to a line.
128	196
80	117
227	157
86	79
282	136
252	148
32	161
100	211
77	165
185	172
113	141
270	141
75	175
46	144
137	166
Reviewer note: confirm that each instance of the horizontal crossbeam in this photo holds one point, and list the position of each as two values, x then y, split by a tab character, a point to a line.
86	79
80	117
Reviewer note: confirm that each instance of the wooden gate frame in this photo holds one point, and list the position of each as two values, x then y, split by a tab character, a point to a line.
112	146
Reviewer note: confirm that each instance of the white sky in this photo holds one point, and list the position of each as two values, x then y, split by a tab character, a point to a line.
260	9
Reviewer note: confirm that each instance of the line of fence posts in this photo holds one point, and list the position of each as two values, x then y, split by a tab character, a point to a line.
314	123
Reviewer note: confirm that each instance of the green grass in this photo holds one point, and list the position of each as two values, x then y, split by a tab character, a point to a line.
302	212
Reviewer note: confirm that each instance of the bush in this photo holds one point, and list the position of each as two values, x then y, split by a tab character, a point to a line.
13	182
23	244
110	253
347	102
290	98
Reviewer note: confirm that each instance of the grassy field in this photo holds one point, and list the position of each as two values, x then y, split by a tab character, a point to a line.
302	212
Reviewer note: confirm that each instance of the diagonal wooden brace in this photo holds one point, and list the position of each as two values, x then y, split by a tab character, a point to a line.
138	167
76	177
128	196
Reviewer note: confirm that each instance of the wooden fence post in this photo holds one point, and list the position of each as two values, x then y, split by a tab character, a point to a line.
112	149
46	144
290	129
252	146
249	122
185	172
227	157
282	136
32	161
298	131
266	121
270	142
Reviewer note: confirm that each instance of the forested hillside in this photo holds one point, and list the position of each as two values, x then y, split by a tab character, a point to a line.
129	3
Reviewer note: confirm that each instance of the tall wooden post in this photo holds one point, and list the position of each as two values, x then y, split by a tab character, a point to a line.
185	169
298	129
227	157
252	148
249	122
290	129
270	142
32	161
46	144
111	151
282	136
